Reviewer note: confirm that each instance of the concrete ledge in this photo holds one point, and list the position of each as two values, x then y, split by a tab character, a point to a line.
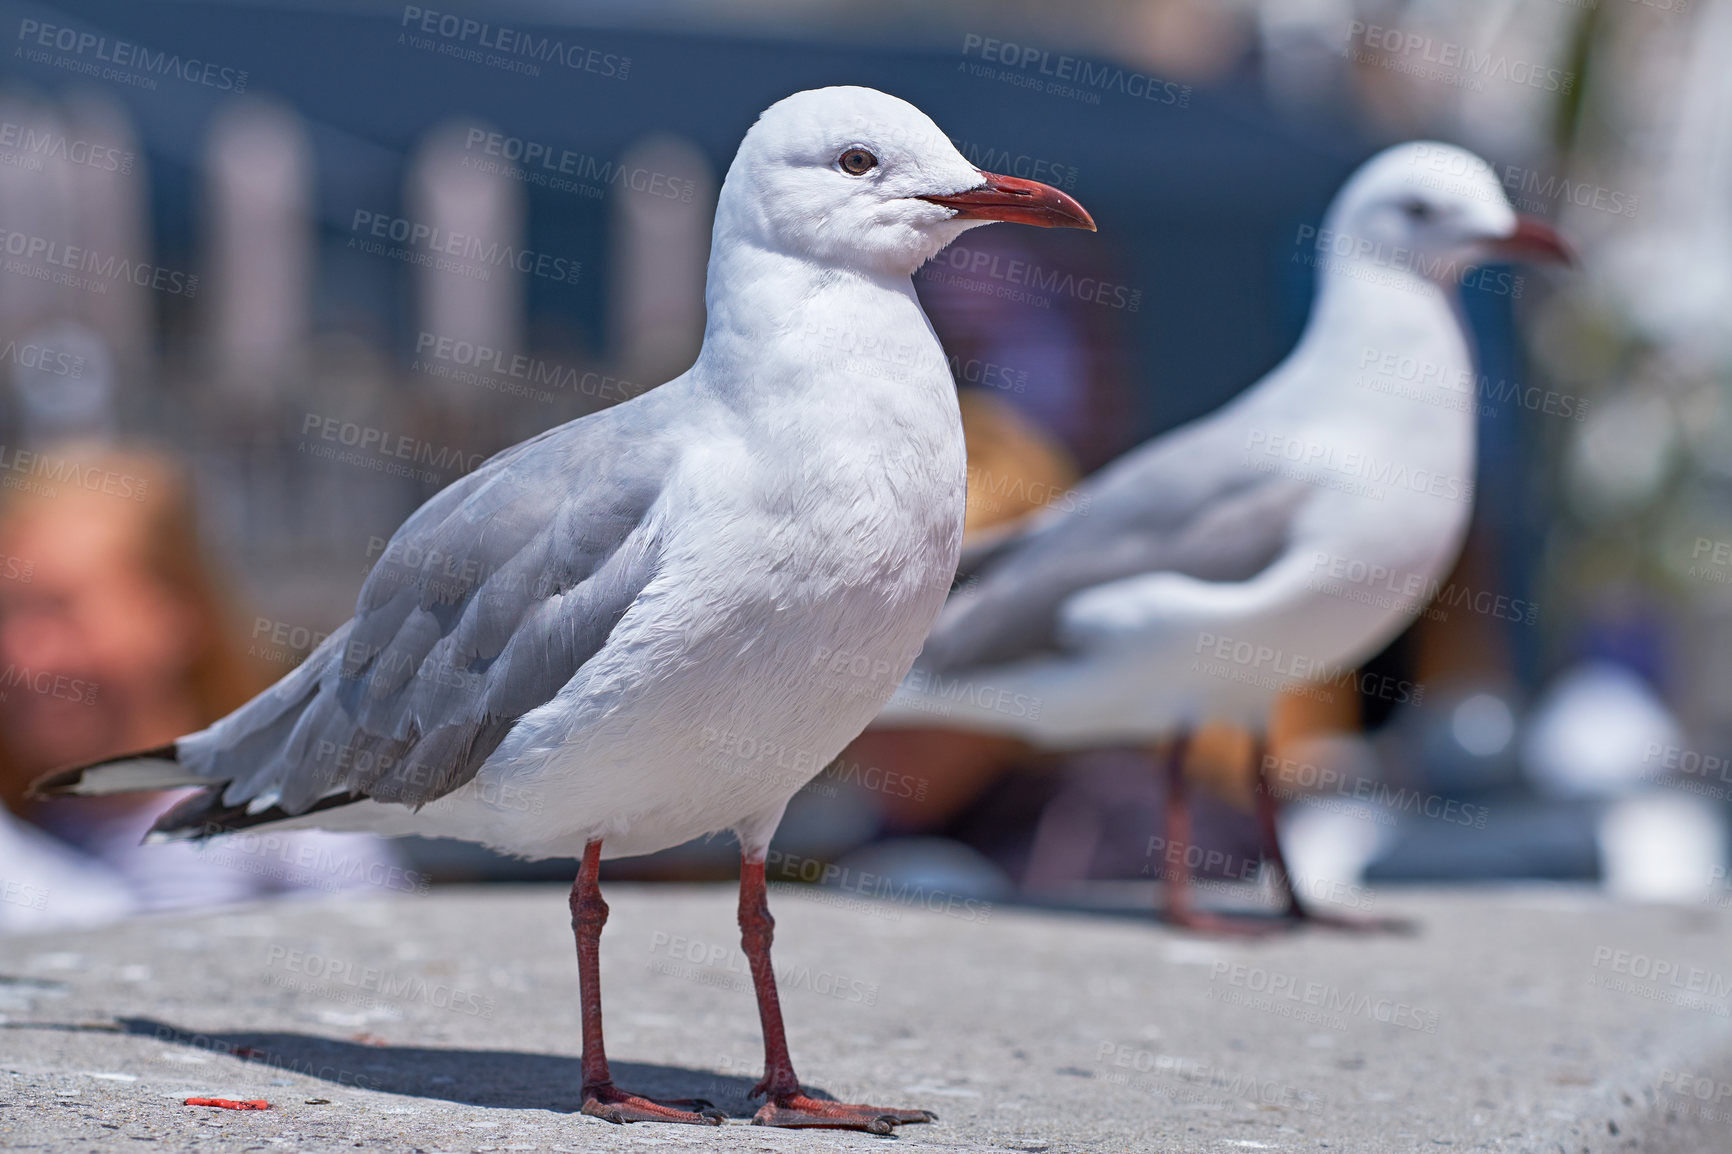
1517	1020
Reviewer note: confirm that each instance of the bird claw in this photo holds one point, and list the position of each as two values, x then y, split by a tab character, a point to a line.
1348	923
1217	925
796	1110
1253	927
617	1106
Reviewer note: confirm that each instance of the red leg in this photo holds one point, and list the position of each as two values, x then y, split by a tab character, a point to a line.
1180	912
1296	910
785	1105
600	1097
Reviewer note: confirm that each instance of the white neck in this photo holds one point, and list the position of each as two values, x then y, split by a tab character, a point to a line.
773	313
1366	317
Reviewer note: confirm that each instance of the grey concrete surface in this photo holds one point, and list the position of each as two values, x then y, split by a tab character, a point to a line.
1515	1020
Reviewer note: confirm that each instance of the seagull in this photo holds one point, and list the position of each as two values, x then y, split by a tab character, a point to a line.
590	640
1273	544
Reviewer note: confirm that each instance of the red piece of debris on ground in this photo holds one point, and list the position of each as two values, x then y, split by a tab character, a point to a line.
230	1103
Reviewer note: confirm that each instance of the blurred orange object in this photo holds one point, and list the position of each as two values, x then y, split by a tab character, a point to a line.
230	1103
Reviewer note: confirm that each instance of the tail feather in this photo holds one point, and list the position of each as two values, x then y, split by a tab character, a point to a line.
148	769
205	815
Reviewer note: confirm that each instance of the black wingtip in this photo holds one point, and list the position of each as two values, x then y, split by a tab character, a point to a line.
64	782
205	815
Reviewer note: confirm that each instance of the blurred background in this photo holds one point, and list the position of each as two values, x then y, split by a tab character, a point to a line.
273	273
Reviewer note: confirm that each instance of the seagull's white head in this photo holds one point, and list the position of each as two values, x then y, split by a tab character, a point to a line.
1441	205
855	178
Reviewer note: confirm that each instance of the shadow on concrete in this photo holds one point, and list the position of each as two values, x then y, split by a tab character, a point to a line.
502	1078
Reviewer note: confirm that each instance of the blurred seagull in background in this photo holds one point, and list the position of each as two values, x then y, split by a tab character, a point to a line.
594	618
1277	542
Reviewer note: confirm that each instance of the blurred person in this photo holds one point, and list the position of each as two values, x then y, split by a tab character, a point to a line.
107	589
115	635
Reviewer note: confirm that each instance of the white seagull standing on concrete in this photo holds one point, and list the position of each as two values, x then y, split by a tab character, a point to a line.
602	618
1278	541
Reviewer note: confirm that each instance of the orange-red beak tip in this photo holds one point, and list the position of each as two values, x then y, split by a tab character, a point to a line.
1021	201
1534	239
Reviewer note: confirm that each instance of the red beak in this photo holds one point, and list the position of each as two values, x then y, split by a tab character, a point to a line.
1534	239
1021	201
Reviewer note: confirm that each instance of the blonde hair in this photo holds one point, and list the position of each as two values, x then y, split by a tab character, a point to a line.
153	495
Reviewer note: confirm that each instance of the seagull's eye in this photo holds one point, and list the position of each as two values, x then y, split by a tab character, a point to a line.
1417	210
857	162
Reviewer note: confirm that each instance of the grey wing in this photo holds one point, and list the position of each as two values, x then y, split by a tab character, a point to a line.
1187	503
484	605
